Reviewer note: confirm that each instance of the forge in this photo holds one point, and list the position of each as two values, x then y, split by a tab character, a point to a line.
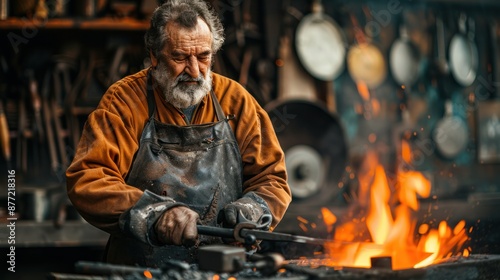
471	267
271	267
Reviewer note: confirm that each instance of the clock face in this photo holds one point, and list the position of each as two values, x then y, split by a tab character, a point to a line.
320	46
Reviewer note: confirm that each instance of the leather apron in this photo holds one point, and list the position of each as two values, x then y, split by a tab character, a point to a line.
196	165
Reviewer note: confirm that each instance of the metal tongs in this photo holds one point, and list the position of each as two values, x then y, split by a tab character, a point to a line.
248	232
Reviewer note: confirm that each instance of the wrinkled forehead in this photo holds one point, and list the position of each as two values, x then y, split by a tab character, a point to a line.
200	25
180	35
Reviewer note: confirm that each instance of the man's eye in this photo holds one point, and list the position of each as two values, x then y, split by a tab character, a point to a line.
184	58
203	58
180	58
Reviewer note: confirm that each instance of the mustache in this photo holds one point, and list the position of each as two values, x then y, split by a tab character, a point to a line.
184	77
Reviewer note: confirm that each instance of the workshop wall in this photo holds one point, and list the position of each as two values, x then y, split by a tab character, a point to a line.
410	88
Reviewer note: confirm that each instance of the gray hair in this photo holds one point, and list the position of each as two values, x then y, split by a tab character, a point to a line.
185	13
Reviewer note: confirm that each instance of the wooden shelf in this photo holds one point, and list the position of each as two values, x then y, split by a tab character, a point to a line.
106	23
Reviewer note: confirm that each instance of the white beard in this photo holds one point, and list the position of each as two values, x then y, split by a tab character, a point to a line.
177	93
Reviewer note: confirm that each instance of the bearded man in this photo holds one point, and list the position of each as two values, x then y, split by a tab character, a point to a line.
174	146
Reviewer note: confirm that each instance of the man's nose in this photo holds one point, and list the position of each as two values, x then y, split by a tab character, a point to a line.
192	67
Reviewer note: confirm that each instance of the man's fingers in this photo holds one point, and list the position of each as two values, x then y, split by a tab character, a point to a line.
162	231
190	234
231	215
177	226
173	235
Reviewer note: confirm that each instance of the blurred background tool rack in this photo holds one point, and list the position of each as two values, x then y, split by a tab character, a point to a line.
54	70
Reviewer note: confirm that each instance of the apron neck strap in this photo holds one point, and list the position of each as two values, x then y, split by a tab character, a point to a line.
151	100
150	95
218	108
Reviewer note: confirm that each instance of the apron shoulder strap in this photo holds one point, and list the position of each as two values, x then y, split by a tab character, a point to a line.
150	95
218	108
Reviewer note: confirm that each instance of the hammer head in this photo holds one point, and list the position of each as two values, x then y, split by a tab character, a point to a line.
221	258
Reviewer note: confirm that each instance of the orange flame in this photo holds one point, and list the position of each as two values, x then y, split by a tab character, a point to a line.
406	151
379	219
329	218
387	230
372	103
363	90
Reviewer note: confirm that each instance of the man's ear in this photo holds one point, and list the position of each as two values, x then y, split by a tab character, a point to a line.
154	61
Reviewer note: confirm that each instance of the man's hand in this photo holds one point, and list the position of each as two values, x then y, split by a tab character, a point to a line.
177	226
248	207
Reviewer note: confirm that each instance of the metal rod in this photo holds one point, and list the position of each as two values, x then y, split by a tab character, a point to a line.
215	231
113	269
259	235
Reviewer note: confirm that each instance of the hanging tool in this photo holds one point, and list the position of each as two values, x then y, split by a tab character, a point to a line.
463	53
47	117
36	103
4	135
35	131
320	44
365	60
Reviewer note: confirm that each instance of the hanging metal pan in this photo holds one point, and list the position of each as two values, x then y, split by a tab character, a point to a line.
450	133
320	44
365	61
463	55
315	149
404	59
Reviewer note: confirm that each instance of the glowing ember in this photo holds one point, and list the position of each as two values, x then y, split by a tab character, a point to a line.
328	218
371	106
363	90
148	274
387	227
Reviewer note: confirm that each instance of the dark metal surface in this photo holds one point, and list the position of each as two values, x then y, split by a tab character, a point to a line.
221	258
307	123
474	267
95	268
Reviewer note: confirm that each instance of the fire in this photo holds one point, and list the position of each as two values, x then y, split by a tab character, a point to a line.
379	220
371	106
328	218
387	225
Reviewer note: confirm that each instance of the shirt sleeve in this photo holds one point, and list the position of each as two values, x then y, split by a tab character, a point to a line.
264	171
96	177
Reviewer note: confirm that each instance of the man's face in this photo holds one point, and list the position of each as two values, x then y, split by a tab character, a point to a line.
183	67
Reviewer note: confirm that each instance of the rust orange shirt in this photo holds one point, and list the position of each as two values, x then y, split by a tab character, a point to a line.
96	177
